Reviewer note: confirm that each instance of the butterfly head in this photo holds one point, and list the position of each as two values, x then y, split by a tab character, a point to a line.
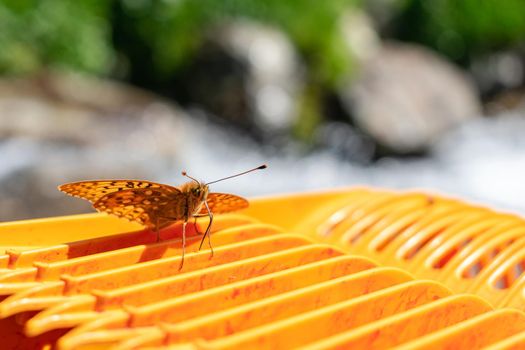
199	191
196	189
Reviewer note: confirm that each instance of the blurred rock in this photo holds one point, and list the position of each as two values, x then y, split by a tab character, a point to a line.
58	128
248	74
406	97
345	141
499	72
505	101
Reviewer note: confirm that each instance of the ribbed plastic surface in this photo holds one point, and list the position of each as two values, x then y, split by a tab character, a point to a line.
280	278
468	248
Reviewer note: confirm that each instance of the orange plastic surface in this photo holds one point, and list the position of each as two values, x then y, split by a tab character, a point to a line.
358	268
468	248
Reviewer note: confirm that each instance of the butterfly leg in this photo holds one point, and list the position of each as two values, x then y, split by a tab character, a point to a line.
195	224
183	244
207	233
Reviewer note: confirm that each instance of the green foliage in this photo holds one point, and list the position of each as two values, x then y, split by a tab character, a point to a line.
71	34
157	38
173	30
78	34
463	29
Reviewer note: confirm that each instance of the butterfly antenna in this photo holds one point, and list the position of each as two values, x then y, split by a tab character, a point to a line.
244	172
184	173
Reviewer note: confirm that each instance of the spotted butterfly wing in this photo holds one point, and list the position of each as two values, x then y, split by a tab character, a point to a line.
223	203
96	189
143	205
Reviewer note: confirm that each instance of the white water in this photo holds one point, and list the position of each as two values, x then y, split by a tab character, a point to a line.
483	162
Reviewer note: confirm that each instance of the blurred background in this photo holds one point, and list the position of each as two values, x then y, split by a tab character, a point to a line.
389	93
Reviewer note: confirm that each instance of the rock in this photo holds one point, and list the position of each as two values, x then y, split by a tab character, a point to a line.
344	140
498	72
509	100
248	74
59	128
406	97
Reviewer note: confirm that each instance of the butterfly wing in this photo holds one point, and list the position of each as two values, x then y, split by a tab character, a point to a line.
143	205
96	189
224	203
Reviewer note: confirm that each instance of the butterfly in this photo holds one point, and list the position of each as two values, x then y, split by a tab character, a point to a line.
156	205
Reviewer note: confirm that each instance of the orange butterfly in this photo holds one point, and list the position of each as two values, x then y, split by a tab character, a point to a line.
157	205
